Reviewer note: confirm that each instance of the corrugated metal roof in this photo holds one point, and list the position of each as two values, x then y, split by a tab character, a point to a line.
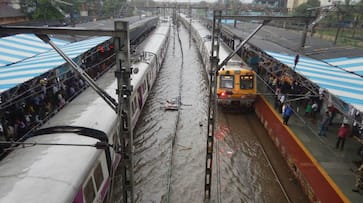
16	48
347	86
14	74
349	64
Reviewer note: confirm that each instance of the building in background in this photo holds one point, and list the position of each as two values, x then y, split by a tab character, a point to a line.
10	12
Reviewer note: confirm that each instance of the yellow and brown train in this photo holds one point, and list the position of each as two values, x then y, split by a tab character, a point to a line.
236	82
236	86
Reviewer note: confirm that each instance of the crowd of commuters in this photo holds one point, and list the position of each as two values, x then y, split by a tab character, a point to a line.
291	95
313	103
289	89
37	100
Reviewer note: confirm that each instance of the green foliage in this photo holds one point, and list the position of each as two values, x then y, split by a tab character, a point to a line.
301	10
111	7
45	10
40	9
28	7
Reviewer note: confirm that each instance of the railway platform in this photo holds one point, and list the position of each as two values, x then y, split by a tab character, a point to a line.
336	163
317	163
323	170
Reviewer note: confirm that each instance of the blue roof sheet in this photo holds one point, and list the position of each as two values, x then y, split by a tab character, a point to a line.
327	74
349	64
16	48
20	72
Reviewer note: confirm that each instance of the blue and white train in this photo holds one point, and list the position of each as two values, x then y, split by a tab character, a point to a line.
57	173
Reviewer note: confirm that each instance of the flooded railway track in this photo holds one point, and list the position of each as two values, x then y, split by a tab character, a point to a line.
250	166
170	146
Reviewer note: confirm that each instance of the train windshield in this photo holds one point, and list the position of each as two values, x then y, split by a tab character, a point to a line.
227	81
246	82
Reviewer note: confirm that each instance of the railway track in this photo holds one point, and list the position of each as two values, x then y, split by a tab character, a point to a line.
252	163
170	146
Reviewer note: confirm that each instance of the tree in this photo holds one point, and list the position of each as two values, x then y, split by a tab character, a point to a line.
40	9
112	7
45	10
28	7
302	8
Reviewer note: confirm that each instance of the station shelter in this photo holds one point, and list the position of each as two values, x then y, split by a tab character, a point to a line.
28	67
340	78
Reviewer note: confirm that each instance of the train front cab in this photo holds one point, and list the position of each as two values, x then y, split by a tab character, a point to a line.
236	87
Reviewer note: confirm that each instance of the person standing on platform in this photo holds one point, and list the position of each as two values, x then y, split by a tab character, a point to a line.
287	113
308	109
296	61
358	179
324	124
333	111
343	132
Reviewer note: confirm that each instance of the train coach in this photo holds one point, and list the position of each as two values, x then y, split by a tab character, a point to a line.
72	157
236	81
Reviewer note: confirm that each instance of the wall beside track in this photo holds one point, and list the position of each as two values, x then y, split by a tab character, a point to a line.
317	184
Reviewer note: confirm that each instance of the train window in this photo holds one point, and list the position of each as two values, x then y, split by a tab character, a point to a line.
97	173
246	82
227	81
88	191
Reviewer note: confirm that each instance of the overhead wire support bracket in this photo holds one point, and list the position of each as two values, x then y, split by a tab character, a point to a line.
224	62
108	99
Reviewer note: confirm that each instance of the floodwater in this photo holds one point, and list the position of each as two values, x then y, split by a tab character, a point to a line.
170	145
169	158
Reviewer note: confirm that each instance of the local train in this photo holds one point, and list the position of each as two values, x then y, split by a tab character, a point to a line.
69	161
236	81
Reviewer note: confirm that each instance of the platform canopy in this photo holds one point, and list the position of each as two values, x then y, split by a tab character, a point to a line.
347	86
354	64
14	74
16	48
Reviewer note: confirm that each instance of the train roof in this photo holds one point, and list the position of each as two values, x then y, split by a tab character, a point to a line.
27	171
224	50
82	110
154	42
150	45
53	173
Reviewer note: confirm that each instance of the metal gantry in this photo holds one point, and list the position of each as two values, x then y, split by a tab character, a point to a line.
124	89
212	103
